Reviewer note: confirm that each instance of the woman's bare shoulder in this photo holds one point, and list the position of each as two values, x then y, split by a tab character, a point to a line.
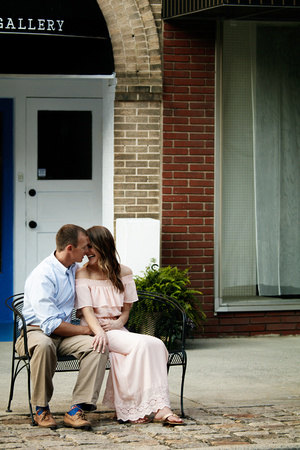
82	273
125	271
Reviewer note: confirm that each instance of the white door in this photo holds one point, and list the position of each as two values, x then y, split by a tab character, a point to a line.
63	170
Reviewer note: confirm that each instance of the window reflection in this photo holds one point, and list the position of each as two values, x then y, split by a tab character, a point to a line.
64	145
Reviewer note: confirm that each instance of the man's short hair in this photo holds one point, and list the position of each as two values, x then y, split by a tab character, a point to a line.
68	235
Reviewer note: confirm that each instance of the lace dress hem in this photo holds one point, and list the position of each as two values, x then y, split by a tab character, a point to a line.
153	401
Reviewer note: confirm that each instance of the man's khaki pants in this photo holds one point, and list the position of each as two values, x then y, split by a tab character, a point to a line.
43	351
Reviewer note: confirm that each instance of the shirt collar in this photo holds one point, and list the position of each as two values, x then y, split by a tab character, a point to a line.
60	267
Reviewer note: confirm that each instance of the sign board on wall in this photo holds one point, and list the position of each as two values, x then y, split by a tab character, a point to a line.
54	37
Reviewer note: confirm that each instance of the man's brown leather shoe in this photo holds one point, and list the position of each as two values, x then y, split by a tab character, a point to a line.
45	419
77	421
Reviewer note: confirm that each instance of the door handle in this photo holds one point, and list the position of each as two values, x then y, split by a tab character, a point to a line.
32	192
32	224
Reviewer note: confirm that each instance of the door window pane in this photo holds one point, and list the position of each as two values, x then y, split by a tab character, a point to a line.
64	145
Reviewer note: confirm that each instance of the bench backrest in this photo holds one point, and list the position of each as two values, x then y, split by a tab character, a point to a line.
154	314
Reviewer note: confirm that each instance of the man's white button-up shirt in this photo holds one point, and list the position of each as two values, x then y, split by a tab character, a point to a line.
49	294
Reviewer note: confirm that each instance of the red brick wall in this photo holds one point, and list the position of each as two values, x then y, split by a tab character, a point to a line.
253	323
188	176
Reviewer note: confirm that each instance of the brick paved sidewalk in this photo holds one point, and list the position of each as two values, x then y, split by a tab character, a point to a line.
254	427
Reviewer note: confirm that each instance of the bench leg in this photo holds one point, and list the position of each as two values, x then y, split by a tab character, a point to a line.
183	359
182	387
29	394
14	373
12	385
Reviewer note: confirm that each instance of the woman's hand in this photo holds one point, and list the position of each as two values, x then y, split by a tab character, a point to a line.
100	342
112	324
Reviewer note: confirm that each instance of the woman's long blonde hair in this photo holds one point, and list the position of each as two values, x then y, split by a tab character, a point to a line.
102	240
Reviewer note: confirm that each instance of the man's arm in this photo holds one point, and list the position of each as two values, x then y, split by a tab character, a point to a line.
49	305
66	329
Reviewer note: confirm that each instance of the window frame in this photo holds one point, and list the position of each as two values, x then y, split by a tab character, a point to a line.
237	304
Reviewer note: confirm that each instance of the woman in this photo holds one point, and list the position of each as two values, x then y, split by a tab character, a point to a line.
105	290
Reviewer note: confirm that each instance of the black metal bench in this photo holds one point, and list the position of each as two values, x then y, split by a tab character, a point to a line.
170	326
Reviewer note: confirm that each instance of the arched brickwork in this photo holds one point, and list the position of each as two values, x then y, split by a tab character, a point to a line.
134	37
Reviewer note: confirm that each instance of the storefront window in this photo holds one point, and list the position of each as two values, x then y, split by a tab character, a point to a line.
260	244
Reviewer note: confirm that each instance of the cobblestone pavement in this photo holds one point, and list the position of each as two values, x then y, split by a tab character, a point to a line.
255	427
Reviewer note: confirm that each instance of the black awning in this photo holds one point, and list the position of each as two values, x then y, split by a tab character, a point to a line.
54	37
268	10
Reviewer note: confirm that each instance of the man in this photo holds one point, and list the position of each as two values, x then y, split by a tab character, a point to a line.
49	297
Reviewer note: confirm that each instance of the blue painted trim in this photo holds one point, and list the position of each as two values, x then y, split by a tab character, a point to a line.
6	332
6	275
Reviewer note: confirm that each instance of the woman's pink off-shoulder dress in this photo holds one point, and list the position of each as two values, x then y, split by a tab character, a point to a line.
137	384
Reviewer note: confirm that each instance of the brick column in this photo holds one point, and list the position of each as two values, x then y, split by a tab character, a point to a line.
137	152
134	28
188	153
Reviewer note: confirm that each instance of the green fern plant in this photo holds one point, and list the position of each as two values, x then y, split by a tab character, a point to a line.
173	282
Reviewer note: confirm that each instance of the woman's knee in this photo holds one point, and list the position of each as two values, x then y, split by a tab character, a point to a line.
151	342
